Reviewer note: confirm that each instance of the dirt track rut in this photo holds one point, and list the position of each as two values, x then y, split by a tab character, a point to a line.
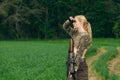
113	62
92	73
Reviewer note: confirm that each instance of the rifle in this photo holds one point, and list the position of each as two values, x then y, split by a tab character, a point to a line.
71	59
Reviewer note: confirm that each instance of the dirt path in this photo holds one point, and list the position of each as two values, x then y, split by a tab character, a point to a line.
112	64
91	73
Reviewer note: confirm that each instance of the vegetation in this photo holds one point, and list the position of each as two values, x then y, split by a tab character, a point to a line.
22	20
115	77
101	65
116	29
32	60
43	60
43	19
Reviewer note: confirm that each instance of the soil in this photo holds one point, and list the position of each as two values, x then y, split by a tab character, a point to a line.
92	73
88	73
112	64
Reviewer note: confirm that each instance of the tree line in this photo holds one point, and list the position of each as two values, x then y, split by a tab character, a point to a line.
43	19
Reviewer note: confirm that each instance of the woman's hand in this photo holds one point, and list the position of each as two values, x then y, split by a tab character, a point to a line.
76	23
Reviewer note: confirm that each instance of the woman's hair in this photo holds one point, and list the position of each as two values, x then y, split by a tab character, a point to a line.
86	24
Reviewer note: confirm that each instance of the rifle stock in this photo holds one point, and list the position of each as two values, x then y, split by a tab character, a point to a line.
72	60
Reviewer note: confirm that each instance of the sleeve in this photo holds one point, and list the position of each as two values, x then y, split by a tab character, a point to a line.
68	28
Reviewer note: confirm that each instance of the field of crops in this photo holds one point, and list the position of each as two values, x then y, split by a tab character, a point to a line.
45	60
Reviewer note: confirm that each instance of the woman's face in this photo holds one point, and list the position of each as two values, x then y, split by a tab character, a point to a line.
77	23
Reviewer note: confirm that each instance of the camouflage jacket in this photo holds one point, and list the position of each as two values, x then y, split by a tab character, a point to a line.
80	38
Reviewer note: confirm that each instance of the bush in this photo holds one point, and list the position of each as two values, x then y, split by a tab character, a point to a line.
116	29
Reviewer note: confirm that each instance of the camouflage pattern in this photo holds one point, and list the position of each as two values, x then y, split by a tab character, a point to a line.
82	40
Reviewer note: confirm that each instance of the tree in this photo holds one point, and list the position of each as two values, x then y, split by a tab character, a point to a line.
116	29
20	15
43	19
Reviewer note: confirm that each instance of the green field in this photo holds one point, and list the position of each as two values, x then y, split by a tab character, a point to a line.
41	60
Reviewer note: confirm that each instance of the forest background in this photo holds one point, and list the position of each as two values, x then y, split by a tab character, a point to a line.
43	19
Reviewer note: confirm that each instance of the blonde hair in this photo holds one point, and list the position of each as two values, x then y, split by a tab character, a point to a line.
86	24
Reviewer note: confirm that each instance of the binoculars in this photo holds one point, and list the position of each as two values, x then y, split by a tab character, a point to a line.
71	20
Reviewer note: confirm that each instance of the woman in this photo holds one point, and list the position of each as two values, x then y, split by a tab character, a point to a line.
82	36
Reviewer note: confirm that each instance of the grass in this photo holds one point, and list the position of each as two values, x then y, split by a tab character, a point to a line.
101	65
91	51
32	60
40	60
114	77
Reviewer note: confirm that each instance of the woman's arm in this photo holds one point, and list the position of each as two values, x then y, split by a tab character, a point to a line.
68	28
